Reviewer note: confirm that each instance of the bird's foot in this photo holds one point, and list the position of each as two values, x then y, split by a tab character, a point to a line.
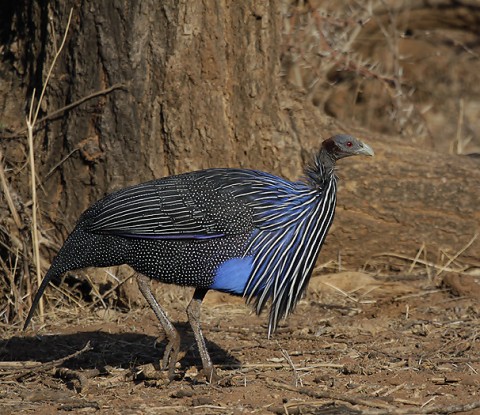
170	357
169	369
159	340
210	374
151	375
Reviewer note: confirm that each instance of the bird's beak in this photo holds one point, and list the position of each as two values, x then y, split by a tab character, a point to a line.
366	150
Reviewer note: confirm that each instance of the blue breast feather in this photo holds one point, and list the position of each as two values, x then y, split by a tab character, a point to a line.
292	220
232	276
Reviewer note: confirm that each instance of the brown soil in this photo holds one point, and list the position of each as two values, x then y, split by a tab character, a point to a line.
355	343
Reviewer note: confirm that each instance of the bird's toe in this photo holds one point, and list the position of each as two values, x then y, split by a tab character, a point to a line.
210	375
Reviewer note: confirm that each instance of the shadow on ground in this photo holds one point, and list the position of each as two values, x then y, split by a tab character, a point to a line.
124	350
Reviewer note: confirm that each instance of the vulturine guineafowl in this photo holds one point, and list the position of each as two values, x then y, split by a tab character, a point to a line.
243	232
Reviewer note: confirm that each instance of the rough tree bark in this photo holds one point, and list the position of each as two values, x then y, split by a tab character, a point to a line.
196	95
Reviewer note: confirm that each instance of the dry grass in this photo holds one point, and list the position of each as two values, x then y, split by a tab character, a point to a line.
326	54
19	289
319	43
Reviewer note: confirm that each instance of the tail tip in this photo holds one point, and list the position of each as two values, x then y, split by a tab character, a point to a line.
28	320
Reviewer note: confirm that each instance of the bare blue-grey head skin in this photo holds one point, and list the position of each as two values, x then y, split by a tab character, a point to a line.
332	149
244	232
343	145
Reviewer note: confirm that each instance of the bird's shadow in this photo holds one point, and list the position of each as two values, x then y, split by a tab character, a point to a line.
126	350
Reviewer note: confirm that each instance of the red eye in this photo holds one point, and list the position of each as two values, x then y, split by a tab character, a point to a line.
349	144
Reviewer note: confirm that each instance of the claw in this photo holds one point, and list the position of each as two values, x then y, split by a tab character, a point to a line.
210	375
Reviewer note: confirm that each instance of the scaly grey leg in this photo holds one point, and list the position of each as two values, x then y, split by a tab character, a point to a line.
173	347
193	313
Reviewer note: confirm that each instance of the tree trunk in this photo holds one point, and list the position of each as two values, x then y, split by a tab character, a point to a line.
196	94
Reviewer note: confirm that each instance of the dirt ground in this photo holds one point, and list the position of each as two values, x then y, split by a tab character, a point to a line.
397	344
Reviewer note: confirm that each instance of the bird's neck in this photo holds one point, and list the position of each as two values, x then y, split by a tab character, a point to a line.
321	170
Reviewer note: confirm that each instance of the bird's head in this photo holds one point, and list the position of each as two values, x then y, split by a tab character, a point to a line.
343	145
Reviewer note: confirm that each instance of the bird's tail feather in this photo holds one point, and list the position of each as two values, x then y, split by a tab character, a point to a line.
50	274
67	259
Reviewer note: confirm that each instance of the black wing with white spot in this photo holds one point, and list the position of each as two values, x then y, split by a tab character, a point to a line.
192	205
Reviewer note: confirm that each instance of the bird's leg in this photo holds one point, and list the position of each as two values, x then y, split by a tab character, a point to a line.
193	313
173	347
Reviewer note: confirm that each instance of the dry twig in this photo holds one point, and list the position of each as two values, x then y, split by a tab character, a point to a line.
21	132
48	365
298	379
460	252
384	408
8	196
